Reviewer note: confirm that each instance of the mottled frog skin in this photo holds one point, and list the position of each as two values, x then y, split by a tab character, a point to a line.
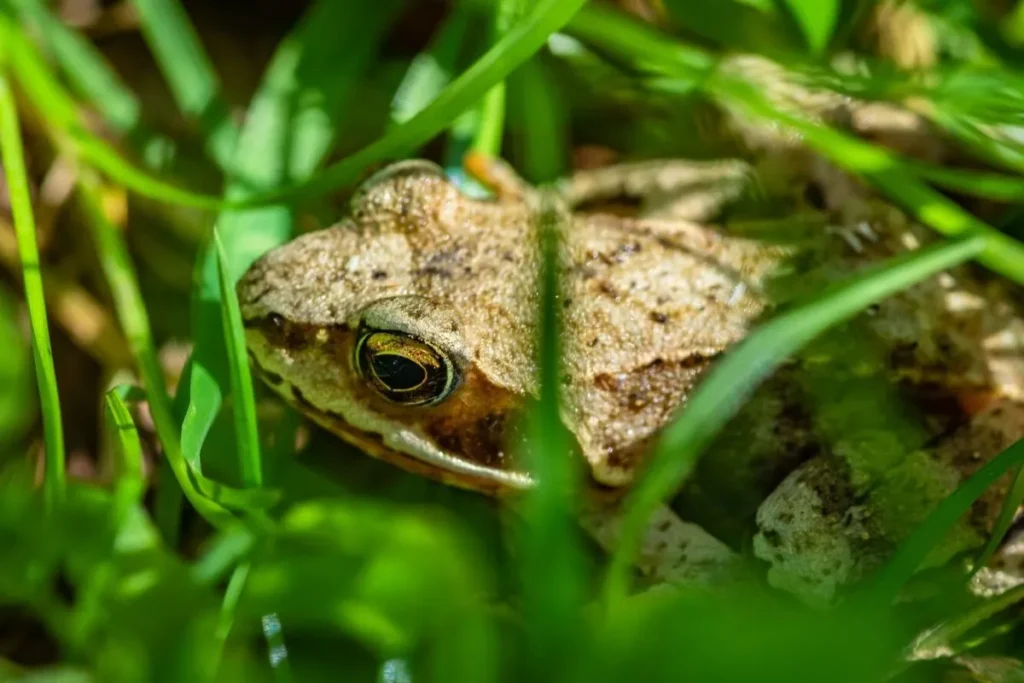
408	329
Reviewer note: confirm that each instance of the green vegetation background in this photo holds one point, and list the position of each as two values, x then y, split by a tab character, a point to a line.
248	560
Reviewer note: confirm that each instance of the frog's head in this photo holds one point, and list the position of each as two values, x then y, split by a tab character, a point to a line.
407	329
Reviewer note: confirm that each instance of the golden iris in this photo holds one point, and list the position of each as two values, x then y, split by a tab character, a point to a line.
404	369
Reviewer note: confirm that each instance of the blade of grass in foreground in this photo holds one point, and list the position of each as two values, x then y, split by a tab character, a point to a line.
743	368
515	47
129	484
28	252
887	583
247	434
551	557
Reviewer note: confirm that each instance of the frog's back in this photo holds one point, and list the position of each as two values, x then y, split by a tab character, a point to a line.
649	306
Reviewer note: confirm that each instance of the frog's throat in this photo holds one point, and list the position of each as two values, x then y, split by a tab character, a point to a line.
410	452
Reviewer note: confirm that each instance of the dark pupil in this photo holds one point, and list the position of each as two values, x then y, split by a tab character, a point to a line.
398	372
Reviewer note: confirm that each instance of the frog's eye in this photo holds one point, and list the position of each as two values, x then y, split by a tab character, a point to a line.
404	369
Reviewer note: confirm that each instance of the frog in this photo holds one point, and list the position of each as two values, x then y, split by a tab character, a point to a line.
408	329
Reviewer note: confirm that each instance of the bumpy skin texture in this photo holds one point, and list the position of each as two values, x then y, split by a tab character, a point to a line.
647	304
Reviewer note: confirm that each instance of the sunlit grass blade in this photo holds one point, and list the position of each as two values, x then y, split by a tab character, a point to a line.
229	605
943	638
189	73
85	67
129	485
817	20
289	129
887	583
552	560
13	156
223	552
515	47
746	365
247	434
491	127
1000	188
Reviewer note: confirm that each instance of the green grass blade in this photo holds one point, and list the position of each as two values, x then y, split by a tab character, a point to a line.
247	433
888	582
28	253
525	38
817	20
552	567
537	106
129	484
943	638
491	127
743	367
189	73
229	606
85	67
1000	188
1012	502
223	552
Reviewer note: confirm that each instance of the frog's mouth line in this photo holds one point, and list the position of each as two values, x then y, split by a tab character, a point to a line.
438	465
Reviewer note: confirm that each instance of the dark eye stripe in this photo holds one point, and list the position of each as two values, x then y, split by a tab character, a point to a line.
403	369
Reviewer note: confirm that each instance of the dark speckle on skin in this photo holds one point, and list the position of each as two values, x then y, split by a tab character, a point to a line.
434	270
379	274
771	537
269	376
302	400
659	317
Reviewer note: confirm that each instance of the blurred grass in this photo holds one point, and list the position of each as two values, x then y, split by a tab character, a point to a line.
28	253
386	585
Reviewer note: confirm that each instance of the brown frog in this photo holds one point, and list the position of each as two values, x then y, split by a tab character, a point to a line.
408	330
